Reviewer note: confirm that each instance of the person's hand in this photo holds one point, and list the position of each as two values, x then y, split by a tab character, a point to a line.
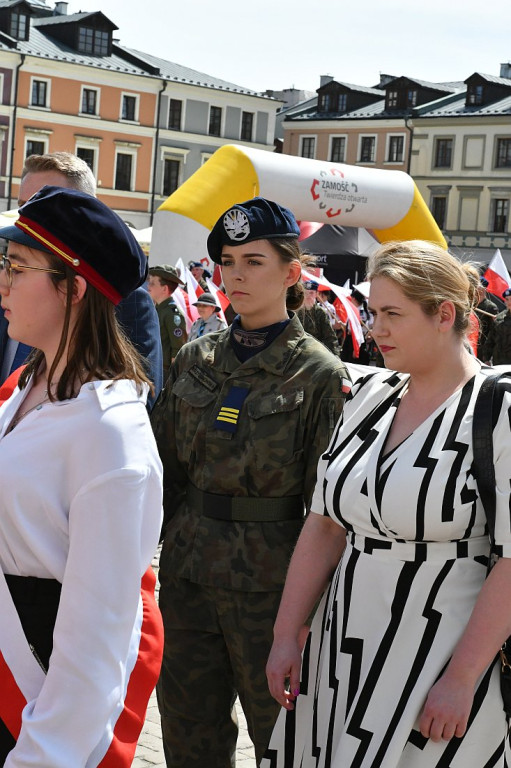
447	709
284	663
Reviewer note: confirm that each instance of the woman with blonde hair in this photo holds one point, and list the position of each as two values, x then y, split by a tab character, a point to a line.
398	670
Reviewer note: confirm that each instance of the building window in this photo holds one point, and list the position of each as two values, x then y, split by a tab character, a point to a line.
129	107
503	159
39	93
411	98
475	95
123	169
367	149
343	100
392	97
443	153
337	149
175	111
88	155
93	41
215	121
89	101
439	210
171	171
396	149
500	215
324	103
308	147
19	25
247	125
34	147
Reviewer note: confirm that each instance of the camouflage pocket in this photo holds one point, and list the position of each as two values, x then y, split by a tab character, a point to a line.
277	429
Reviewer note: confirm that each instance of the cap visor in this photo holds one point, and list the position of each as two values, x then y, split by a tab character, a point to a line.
16	235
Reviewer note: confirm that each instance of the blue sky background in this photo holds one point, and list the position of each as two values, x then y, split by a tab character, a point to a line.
284	43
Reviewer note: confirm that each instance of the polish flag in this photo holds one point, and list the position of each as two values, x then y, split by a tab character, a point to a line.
497	275
346	310
220	298
308	228
185	298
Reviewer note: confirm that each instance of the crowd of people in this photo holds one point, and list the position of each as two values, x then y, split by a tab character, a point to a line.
325	549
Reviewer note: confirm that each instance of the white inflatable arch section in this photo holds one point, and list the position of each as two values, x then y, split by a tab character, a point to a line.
385	202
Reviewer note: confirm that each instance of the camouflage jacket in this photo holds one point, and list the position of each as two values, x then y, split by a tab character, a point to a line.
293	400
498	343
172	331
316	321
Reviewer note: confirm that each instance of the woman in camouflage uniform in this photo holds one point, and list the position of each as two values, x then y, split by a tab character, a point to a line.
245	415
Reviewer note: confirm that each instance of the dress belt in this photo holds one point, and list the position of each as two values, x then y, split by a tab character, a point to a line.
422	551
245	508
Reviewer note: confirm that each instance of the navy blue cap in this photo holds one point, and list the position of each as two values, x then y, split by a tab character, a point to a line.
484	282
86	234
256	219
310	285
506	293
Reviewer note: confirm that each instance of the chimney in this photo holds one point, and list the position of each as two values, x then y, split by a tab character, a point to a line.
61	9
505	70
324	79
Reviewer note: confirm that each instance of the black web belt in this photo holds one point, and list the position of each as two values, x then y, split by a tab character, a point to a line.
245	508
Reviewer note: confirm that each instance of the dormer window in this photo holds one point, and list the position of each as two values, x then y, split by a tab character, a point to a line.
392	97
412	98
93	41
19	25
475	95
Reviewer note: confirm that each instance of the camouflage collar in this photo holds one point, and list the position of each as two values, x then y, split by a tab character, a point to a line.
274	359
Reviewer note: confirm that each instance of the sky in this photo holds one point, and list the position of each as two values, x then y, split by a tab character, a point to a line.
277	44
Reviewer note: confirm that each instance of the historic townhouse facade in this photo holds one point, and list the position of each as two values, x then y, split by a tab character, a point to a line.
143	124
461	162
453	138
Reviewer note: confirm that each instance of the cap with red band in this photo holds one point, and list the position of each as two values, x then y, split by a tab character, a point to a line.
87	235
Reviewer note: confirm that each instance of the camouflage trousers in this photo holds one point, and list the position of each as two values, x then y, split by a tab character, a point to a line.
217	643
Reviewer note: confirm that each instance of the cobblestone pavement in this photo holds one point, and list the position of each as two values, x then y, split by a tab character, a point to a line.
149	752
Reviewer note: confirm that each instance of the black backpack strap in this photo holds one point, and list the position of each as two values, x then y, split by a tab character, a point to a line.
482	440
486	413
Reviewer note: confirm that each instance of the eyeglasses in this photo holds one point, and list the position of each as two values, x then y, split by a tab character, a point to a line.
12	269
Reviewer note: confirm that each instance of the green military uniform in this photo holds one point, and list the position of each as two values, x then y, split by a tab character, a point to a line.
498	343
172	331
239	444
317	322
485	323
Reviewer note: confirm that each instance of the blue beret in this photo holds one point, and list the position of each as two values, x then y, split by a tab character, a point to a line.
506	293
310	285
484	281
256	219
86	234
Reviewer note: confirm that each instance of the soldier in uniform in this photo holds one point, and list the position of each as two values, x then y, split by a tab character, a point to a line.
244	417
209	320
497	348
486	312
200	273
315	319
161	284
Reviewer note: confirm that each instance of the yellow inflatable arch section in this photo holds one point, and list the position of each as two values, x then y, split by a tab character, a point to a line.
385	202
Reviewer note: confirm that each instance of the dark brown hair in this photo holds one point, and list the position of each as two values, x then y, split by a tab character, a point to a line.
289	250
98	348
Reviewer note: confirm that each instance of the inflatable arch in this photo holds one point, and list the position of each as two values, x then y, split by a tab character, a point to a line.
385	202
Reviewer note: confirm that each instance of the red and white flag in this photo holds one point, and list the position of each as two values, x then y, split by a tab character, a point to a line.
185	298
497	275
346	310
220	298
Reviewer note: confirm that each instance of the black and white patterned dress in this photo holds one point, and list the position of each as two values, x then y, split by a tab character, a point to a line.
403	592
